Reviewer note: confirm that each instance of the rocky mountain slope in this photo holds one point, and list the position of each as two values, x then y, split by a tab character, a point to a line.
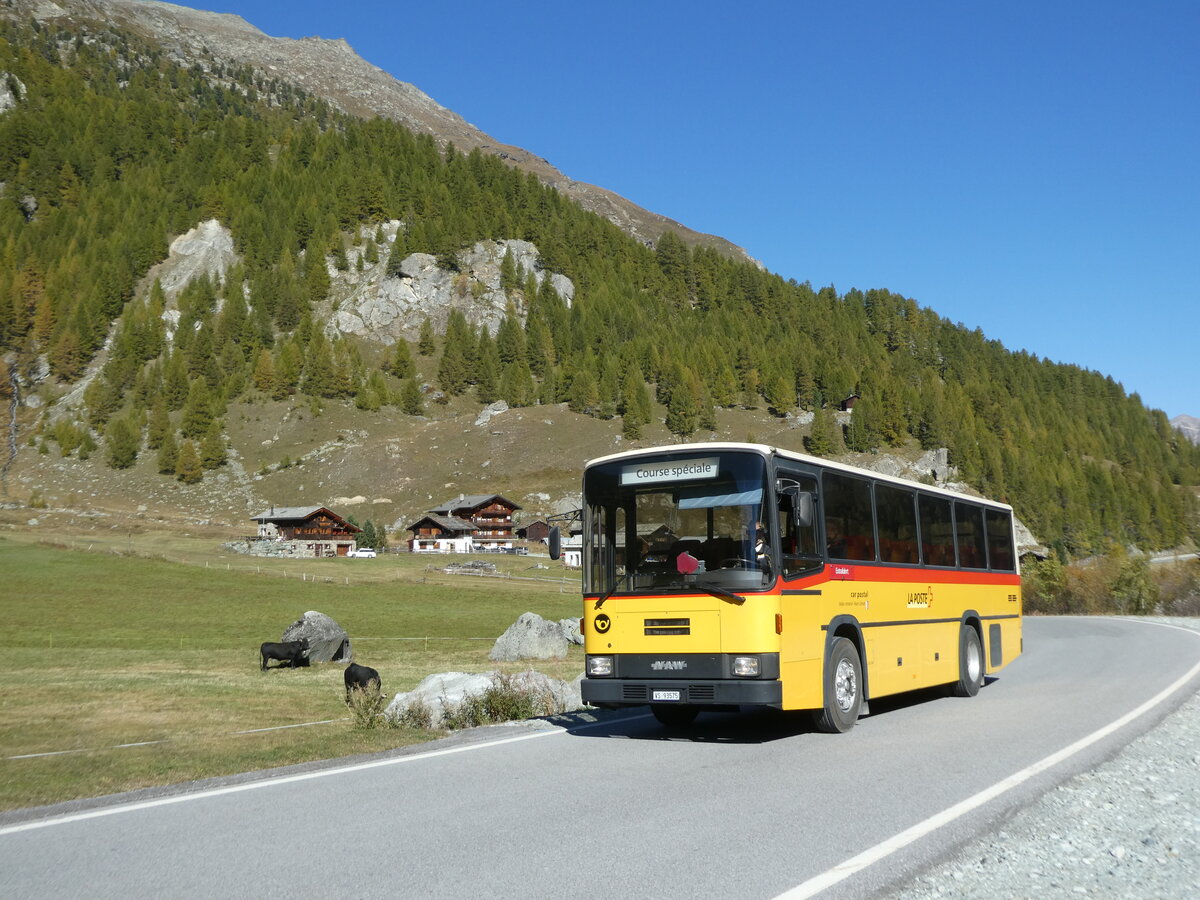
1189	425
332	71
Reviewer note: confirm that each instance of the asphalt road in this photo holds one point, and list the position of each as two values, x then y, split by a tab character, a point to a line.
750	805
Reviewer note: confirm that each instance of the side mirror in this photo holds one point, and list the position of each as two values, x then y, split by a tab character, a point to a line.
554	539
802	509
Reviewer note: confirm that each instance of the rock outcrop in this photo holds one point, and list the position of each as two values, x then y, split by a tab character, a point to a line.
385	309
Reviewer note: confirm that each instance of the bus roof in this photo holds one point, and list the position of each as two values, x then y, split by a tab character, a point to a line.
767	450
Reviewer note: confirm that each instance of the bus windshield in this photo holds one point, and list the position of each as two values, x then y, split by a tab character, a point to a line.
678	522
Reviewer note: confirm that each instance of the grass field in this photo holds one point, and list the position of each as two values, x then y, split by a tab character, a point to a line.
109	648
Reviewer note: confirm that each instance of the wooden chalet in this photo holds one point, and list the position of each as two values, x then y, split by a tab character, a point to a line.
482	522
440	534
537	530
313	530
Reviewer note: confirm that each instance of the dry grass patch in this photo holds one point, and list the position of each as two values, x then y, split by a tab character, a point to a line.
107	650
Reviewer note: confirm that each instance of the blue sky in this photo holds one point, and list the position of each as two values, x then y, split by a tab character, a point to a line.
1028	168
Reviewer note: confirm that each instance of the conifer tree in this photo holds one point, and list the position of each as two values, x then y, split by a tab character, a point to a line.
683	409
609	393
487	384
585	394
411	402
188	468
822	438
212	447
168	454
510	339
68	357
452	370
516	385
509	279
176	384
123	442
264	372
287	370
159	425
539	346
197	411
780	394
319	379
425	341
396	258
400	362
366	537
862	434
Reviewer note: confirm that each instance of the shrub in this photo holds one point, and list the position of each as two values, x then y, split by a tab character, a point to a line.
415	715
509	699
366	706
1179	588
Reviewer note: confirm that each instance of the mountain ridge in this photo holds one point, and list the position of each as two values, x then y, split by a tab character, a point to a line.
331	70
1189	426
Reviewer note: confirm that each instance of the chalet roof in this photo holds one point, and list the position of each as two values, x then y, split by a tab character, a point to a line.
472	501
300	514
448	523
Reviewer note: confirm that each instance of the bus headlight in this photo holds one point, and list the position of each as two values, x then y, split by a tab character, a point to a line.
599	666
746	666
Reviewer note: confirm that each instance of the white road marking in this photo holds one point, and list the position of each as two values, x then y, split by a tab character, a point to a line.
270	782
856	864
286	779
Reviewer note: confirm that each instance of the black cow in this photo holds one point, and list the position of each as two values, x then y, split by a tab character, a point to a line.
361	678
289	653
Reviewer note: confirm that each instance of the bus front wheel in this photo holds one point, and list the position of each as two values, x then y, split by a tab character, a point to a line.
843	688
674	716
970	663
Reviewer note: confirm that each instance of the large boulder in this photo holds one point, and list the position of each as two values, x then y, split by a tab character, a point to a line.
327	640
530	637
570	630
443	692
439	693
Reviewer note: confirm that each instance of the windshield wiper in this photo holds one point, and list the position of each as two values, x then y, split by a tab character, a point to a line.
715	591
612	590
724	595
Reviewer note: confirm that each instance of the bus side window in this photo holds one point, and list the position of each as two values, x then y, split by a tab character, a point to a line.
1000	540
849	525
968	526
798	544
937	530
896	513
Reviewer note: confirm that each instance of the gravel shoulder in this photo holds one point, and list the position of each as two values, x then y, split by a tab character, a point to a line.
1129	828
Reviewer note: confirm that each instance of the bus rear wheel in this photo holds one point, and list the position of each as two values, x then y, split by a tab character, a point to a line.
674	716
843	688
970	663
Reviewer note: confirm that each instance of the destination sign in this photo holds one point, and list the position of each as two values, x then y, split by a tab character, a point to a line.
671	470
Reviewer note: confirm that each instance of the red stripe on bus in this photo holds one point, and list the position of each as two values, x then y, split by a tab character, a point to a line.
896	574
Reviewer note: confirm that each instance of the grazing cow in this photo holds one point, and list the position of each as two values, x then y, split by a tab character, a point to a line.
361	678
289	653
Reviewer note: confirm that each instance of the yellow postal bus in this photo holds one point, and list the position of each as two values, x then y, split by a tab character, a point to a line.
723	575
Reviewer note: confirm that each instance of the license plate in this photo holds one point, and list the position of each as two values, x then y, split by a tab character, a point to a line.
664	695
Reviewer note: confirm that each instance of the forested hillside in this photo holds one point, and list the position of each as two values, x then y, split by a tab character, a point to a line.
110	149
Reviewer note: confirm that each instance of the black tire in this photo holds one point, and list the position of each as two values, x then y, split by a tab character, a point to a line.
674	716
970	663
843	688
